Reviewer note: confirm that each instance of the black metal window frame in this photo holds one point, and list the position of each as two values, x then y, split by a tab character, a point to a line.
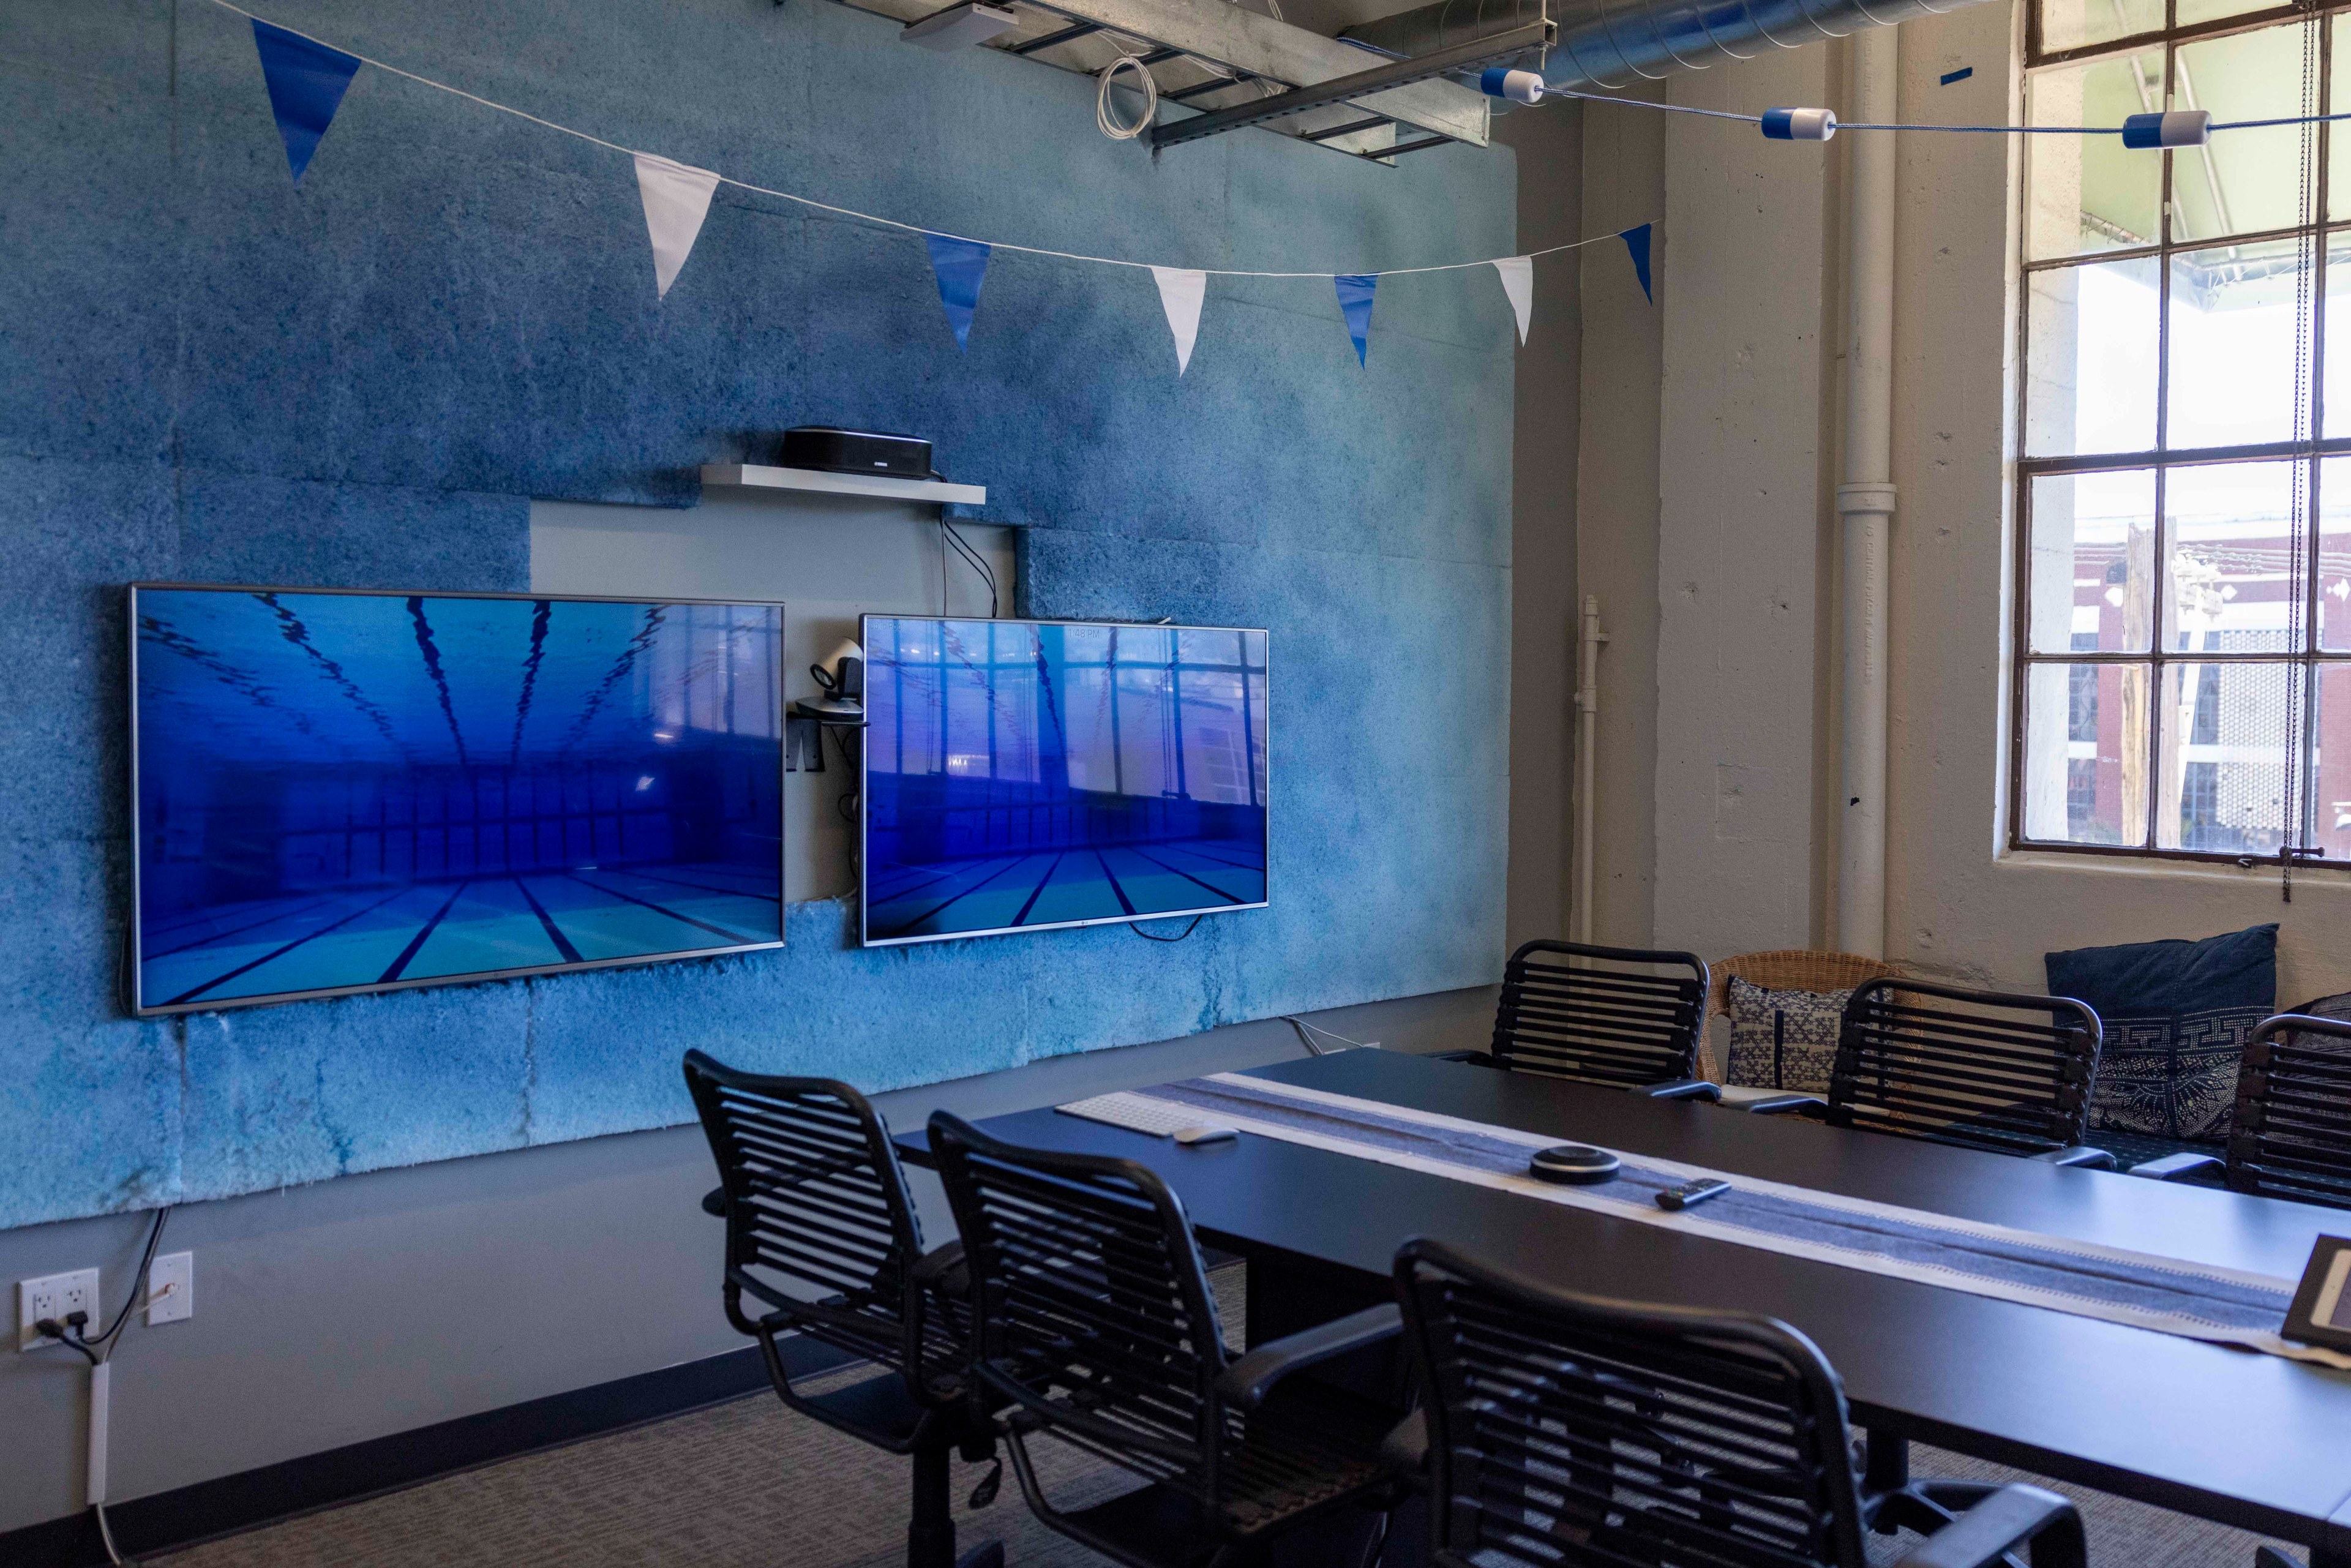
2310	450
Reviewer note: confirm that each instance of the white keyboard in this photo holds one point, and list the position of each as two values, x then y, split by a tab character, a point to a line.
1135	1112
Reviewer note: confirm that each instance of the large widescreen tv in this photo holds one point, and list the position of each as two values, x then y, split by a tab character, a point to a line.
1023	775
345	791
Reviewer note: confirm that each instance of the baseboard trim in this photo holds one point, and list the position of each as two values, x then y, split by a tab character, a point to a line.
230	1504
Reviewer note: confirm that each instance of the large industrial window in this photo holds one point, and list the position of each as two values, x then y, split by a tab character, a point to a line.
2183	621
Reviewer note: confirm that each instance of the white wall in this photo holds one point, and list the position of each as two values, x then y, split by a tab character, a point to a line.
1741	516
1742	729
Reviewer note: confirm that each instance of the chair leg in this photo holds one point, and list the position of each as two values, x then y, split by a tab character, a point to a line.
931	1533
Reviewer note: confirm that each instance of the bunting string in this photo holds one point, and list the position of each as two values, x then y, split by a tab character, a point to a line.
852	213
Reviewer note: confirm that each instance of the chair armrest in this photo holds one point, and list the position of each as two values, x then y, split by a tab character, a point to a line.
942	1266
2172	1167
2080	1156
1247	1381
2001	1523
1403	1452
713	1203
1788	1104
1683	1089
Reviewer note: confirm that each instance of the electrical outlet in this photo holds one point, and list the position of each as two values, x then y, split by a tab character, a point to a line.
54	1296
172	1289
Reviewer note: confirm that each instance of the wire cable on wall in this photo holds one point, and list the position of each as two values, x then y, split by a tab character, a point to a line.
1148	937
1107	118
1313	1047
949	532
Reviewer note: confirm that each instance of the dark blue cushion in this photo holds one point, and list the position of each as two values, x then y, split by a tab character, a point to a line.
2177	1017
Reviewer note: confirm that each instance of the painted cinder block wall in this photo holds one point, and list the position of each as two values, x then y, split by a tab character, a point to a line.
209	373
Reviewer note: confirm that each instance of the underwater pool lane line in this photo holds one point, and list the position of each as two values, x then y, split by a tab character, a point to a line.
698	886
554	934
280	953
657	909
1187	876
938	909
1117	890
417	941
240	930
1038	891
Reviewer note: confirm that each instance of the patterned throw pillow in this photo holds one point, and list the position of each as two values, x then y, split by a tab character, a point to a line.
1784	1040
2177	1017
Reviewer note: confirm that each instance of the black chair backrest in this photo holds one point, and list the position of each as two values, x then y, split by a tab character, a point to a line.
1993	1071
2290	1135
1567	1430
819	1223
1092	1301
1601	1015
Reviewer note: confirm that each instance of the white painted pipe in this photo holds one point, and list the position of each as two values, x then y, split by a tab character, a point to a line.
1865	500
1587	731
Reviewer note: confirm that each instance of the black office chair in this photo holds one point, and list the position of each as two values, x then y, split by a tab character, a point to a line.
2008	1073
821	1235
1096	1326
1602	1015
2290	1135
1564	1431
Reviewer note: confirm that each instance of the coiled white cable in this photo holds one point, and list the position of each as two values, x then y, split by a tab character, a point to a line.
1111	125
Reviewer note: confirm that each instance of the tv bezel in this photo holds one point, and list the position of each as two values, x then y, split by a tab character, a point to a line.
865	796
140	1007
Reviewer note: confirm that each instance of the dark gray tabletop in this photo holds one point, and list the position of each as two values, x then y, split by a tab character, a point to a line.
2254	1440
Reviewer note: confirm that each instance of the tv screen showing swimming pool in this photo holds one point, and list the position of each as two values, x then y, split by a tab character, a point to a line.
342	791
1023	775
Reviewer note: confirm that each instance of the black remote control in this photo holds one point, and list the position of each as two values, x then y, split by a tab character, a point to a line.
1691	1192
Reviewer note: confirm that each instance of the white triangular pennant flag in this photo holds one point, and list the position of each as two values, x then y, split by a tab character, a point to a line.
1181	291
677	198
1518	282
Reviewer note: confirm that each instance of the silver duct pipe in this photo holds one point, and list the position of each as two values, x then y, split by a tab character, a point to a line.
1618	43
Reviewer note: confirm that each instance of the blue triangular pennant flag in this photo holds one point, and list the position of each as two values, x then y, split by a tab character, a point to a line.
961	265
1637	242
307	80
1356	305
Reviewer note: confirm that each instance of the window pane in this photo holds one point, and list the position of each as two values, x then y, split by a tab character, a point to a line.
2226	730
2232	345
2090	359
2335	373
2093	562
2339	148
2330	765
2194	11
2243	182
2091	193
2085	754
2229	529
2335	555
2070	23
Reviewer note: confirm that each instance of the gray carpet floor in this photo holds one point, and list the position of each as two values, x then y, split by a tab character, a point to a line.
750	1485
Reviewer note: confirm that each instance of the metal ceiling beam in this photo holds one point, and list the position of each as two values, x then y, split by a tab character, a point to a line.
1370	89
1253	43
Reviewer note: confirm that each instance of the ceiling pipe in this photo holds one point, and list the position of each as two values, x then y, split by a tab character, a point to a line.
1865	499
1618	43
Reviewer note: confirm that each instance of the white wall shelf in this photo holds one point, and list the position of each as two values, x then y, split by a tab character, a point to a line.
881	486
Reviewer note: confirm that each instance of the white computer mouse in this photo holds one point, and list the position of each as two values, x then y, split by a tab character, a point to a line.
1204	1135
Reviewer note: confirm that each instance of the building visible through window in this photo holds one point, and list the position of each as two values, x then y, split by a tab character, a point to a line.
2183	632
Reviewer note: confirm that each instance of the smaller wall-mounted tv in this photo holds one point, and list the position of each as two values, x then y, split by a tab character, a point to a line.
1027	775
346	791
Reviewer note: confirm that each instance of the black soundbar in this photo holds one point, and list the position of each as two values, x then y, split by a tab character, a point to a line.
833	450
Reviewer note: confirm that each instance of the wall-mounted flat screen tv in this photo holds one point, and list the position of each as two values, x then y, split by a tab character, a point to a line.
1023	775
344	791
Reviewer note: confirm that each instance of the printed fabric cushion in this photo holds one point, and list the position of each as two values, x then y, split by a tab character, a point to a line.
2177	1017
1782	1040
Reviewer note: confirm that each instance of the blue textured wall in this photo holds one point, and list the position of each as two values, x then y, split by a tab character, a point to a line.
208	374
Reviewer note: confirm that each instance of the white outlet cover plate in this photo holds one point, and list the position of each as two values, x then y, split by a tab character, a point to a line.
172	1289
53	1296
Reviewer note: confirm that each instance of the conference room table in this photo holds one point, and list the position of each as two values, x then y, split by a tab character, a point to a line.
2257	1441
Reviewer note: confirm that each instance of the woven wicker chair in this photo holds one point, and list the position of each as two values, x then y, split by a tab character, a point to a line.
1786	969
